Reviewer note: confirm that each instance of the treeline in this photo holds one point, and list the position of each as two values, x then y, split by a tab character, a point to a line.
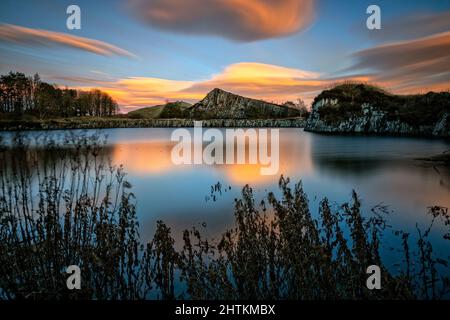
20	94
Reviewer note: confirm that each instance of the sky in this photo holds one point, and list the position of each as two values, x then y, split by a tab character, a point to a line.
147	52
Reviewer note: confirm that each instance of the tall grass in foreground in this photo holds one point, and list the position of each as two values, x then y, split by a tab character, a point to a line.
66	204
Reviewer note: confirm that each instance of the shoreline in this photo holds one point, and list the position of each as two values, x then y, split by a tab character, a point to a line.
421	135
117	123
61	124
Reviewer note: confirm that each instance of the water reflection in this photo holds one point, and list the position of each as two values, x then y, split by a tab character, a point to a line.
152	156
381	170
149	157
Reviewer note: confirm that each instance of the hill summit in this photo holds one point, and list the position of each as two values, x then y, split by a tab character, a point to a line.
220	104
170	110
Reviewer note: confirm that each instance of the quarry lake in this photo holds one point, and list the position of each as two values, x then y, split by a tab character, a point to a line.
384	171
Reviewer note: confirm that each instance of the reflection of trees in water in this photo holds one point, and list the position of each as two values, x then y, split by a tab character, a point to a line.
81	211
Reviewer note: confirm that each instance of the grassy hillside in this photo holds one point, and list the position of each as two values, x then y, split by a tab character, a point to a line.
166	111
420	109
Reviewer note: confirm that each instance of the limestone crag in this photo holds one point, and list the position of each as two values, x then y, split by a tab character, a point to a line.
219	104
372	121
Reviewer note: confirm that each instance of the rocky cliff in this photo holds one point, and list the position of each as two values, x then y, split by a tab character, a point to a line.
367	110
219	104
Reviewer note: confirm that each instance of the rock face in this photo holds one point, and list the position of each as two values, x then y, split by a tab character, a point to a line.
219	104
371	120
442	127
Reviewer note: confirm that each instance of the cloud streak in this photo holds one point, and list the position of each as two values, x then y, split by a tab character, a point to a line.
240	20
408	27
38	37
402	67
407	65
256	80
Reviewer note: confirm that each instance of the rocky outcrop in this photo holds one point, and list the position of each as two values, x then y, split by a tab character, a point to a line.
442	127
219	104
372	120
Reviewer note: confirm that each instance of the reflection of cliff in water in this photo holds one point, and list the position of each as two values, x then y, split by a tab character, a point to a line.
350	166
359	156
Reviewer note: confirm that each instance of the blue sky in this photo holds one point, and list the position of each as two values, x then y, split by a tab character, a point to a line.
182	55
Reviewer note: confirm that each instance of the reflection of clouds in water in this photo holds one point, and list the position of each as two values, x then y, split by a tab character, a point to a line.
380	169
212	219
294	161
414	186
144	157
153	156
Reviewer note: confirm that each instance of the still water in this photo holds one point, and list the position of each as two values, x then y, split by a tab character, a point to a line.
382	170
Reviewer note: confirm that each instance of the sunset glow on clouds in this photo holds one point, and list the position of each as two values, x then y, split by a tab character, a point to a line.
423	62
256	80
28	36
279	84
241	20
410	54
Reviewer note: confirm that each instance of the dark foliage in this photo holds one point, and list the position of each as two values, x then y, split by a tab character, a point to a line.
22	96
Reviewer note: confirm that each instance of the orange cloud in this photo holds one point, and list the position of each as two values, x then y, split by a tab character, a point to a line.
241	20
263	81
28	36
279	84
257	80
135	92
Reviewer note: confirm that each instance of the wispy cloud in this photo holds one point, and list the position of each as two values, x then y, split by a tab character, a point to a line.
409	65
34	37
411	26
260	81
402	67
241	20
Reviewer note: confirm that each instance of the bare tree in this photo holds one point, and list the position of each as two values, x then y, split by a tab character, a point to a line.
300	105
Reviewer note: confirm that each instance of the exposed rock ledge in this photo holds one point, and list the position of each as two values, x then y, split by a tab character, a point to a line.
373	121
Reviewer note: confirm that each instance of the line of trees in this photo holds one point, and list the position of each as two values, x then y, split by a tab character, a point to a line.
21	95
